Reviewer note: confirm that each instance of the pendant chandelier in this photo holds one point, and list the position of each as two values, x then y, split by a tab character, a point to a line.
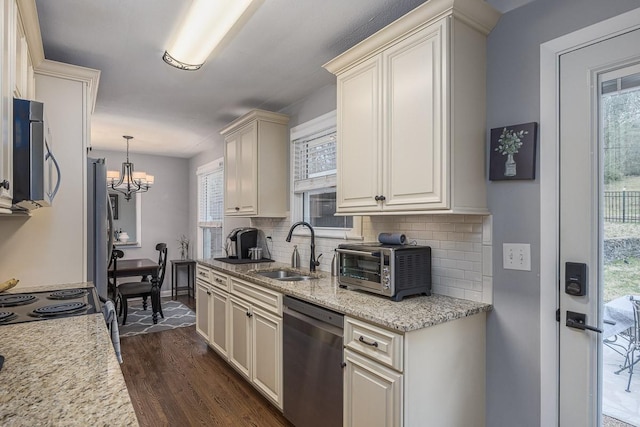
129	182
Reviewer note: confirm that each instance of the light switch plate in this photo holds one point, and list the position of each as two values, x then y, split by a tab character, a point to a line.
516	256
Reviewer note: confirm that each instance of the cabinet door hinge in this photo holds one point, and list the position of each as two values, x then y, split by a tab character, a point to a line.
557	315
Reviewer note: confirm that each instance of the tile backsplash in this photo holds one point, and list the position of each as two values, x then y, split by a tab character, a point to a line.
460	248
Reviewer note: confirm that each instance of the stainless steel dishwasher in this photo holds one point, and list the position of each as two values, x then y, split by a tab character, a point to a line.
312	364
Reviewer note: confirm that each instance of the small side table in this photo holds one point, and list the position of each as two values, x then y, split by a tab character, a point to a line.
190	265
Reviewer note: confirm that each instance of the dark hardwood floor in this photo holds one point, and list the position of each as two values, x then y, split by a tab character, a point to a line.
175	379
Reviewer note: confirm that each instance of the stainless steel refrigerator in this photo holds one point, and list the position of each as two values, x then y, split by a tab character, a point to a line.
99	225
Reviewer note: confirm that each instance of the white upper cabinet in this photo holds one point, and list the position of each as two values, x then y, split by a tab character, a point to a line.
8	16
24	86
411	121
256	159
16	80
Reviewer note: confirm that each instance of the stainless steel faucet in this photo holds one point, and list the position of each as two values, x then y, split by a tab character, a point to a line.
313	263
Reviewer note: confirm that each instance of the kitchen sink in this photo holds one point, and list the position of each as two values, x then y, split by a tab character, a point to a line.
284	275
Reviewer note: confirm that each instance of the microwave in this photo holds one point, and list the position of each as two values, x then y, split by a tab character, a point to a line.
394	271
34	165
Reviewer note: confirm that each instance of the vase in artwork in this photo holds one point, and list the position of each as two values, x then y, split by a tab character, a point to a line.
510	166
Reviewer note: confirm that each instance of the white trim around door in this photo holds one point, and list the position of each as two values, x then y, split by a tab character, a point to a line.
549	222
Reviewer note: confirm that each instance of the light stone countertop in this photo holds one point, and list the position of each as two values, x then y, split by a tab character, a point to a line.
412	313
61	372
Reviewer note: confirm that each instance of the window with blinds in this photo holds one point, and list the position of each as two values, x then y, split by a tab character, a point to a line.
313	166
210	208
315	161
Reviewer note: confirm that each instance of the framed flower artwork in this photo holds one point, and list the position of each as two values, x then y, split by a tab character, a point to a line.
513	152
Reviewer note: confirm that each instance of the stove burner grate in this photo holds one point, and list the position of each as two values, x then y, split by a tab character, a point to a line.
68	294
62	308
5	316
16	299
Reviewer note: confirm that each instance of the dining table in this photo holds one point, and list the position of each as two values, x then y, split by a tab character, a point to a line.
142	267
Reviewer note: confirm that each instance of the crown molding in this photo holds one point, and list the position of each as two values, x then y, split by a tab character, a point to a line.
477	14
72	72
29	17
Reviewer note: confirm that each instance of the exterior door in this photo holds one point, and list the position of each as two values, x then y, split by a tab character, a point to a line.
586	177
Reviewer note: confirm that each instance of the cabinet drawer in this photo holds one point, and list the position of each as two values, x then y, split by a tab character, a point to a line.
203	273
219	280
375	342
257	295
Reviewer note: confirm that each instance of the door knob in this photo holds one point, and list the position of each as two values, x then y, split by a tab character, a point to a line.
578	321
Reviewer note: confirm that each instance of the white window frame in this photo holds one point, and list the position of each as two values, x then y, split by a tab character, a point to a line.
205	169
303	130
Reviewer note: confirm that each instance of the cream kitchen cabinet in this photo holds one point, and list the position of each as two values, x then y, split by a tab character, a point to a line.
255	336
203	305
411	122
24	82
242	322
428	377
372	393
8	18
218	337
256	153
212	305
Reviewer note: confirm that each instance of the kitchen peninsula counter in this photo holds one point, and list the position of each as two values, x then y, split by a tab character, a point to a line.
412	313
61	372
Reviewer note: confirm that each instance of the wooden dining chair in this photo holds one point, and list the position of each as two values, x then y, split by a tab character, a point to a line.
142	289
112	284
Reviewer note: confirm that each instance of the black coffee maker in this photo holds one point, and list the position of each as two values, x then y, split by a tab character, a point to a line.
240	240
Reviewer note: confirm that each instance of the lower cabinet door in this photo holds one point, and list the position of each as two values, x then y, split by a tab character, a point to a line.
372	393
240	336
266	372
219	335
203	293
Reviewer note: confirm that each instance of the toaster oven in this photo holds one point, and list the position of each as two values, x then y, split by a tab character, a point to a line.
395	271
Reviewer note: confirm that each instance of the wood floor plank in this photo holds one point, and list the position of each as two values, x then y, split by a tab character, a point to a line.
175	379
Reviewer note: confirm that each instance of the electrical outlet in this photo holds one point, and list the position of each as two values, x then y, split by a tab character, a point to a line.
516	256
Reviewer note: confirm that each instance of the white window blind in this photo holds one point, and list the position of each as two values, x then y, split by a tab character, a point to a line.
211	200
315	161
210	208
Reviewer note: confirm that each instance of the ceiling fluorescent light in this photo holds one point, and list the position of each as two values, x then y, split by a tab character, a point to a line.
206	24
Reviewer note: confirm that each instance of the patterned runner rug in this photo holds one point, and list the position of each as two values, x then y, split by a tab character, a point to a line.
176	315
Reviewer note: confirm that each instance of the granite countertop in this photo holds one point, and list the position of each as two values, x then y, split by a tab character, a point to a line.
61	372
412	313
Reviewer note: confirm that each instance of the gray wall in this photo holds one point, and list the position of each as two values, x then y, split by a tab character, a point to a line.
165	207
513	96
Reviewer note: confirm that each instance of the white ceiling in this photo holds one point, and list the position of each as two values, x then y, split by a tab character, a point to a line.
272	62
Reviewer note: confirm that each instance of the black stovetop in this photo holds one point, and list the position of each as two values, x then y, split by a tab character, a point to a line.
45	305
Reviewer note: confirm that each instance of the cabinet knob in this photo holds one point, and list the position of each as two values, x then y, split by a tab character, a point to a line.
249	314
377	198
382	198
5	184
237	208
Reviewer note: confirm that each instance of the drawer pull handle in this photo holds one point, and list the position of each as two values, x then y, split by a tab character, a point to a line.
372	344
219	280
